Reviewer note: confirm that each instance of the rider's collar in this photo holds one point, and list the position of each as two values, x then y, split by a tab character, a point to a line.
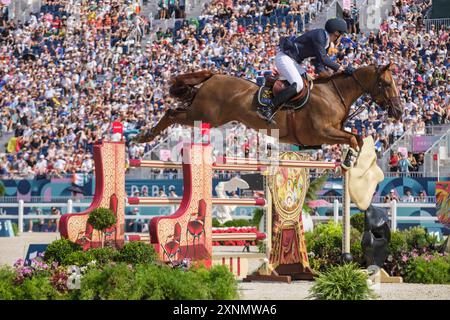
328	40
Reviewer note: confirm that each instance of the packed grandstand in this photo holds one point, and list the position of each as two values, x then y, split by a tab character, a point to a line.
76	66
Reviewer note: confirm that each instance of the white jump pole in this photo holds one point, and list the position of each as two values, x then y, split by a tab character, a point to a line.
346	216
268	220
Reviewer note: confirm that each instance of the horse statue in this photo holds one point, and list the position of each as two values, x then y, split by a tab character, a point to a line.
221	99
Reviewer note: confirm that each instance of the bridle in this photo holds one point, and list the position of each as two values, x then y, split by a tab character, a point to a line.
379	88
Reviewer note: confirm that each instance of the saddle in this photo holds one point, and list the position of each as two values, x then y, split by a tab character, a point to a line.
273	85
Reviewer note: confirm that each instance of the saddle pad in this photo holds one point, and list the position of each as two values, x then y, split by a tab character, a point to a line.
265	96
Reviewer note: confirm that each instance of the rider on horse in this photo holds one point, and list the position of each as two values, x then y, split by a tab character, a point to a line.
291	53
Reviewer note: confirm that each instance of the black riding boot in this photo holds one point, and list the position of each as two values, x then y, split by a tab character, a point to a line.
283	97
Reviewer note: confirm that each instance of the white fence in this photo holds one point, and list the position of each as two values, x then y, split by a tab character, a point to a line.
336	205
436	23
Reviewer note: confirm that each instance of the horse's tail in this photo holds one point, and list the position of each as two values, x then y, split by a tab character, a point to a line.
183	86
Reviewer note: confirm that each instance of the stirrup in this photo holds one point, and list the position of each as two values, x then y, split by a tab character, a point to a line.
260	114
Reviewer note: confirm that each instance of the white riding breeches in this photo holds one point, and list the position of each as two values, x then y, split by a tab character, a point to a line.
289	69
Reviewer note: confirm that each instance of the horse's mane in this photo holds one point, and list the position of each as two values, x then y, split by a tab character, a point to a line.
339	75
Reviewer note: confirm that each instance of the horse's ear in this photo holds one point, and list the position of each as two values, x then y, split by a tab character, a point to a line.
386	67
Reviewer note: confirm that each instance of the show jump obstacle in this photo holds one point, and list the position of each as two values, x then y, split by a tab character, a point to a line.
188	232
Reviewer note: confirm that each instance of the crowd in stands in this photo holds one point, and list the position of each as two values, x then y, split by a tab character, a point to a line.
76	66
407	197
172	8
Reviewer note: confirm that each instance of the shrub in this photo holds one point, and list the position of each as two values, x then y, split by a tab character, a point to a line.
38	287
153	282
222	283
59	249
429	269
355	246
104	255
216	223
137	252
172	284
418	237
324	245
357	221
326	238
398	244
78	258
238	223
113	282
101	219
407	245
345	282
7	287
257	216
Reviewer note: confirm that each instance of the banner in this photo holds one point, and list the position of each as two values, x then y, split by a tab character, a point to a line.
443	202
346	5
423	143
164	154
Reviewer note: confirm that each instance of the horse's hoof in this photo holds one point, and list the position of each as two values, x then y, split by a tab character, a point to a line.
354	152
143	137
345	167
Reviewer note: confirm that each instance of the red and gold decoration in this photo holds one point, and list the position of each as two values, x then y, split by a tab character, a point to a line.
288	187
109	158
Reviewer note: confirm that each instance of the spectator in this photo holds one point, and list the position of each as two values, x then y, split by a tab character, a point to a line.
161	193
408	197
392	196
134	225
57	213
422	197
412	161
393	162
93	71
404	165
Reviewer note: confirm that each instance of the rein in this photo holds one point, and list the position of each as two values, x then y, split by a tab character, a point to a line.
339	92
365	90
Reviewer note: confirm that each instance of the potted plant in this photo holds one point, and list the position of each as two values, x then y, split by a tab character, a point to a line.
101	219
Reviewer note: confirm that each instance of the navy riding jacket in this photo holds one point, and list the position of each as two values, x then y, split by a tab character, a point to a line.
310	44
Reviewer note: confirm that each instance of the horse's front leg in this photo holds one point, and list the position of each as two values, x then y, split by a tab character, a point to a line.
360	142
148	135
332	135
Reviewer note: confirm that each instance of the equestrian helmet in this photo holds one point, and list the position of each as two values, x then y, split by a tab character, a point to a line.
336	24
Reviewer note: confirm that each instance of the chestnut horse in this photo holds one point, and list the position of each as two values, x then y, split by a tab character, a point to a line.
221	99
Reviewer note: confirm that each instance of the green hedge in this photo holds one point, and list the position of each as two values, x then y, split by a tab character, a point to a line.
429	269
58	250
254	222
67	253
152	282
357	221
121	281
324	245
137	252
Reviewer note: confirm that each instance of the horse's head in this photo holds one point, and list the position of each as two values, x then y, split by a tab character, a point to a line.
385	92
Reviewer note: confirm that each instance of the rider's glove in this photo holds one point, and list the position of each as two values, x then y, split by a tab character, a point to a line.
349	70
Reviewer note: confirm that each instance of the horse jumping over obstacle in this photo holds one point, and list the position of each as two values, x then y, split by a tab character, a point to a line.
222	99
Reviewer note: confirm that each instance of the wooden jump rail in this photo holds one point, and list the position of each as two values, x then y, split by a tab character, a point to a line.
215	201
223	236
239	164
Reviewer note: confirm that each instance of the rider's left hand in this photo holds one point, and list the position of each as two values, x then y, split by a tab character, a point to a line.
349	70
